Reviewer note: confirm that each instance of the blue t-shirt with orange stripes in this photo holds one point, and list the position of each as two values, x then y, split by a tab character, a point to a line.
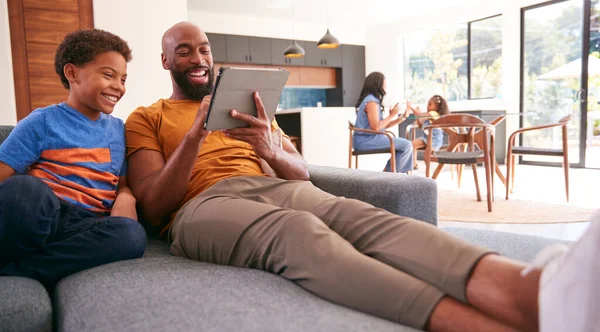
80	159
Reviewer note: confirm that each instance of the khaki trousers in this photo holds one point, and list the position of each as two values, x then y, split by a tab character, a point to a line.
343	250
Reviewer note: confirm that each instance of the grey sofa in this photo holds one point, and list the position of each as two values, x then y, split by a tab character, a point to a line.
160	292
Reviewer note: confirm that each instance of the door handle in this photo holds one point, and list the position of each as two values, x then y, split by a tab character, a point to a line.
250	58
246	57
581	96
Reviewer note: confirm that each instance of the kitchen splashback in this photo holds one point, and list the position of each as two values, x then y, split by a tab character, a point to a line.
302	97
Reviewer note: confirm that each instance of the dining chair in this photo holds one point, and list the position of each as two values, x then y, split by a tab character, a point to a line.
513	151
353	152
478	143
462	129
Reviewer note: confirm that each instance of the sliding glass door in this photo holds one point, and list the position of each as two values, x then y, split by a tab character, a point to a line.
553	79
592	128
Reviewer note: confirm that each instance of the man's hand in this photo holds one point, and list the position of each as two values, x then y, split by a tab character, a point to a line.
259	133
197	129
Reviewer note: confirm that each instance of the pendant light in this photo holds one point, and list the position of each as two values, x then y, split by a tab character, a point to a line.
293	50
328	40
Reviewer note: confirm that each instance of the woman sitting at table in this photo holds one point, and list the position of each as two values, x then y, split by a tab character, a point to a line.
436	107
369	115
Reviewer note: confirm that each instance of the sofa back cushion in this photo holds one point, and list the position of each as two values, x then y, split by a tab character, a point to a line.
4	131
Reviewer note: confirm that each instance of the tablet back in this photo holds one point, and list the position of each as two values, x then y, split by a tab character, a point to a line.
233	90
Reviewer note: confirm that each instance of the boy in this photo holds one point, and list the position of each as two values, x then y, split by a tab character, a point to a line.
73	209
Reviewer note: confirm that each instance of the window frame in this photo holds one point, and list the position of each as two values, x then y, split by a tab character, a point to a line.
469	97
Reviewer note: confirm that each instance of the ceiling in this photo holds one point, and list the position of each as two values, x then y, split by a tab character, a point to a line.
340	11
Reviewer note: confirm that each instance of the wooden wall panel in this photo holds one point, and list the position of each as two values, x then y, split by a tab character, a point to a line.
41	59
61	5
46	91
45	26
19	57
317	77
86	14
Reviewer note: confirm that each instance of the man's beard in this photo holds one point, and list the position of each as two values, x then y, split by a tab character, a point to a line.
190	90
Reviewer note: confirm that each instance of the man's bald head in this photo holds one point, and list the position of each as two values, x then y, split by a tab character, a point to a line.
174	33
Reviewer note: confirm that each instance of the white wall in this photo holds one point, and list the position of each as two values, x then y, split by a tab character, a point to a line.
141	23
276	28
8	110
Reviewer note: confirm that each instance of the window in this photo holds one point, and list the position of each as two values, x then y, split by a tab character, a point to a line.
486	58
435	62
459	62
551	76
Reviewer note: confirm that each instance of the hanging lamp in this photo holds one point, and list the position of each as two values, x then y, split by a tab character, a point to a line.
328	40
294	50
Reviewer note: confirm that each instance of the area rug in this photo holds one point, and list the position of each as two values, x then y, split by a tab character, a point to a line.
455	205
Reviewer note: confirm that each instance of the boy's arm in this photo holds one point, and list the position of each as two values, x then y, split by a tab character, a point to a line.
5	171
124	205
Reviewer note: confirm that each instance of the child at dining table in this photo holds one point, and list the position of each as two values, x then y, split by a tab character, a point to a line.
436	107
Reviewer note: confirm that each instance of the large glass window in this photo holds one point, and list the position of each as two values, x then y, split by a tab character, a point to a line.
435	62
486	58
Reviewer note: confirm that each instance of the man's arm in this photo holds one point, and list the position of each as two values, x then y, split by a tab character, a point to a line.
285	161
5	171
160	186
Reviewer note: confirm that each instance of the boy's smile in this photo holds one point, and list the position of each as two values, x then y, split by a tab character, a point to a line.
98	85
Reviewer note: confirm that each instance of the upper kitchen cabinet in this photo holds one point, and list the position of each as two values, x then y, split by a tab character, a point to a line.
243	49
218	46
318	57
277	48
353	72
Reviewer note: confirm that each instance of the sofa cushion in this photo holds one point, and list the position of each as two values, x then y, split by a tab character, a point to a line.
515	246
25	305
164	293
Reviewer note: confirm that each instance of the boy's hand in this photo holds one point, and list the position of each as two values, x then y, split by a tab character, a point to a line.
125	191
124	205
197	129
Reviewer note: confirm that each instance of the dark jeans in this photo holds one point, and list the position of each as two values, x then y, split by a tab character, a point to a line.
44	238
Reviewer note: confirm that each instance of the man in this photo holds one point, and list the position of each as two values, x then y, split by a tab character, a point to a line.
208	191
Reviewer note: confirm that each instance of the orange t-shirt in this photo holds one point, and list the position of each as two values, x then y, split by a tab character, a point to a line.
162	126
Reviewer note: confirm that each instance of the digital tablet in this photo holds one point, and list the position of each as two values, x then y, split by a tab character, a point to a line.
234	88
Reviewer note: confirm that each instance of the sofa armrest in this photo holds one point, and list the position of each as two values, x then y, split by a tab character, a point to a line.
410	196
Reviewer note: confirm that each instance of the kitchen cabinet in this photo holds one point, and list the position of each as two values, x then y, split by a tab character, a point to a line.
353	73
322	57
218	47
244	49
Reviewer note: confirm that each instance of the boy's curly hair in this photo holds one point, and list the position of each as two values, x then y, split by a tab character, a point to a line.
81	46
